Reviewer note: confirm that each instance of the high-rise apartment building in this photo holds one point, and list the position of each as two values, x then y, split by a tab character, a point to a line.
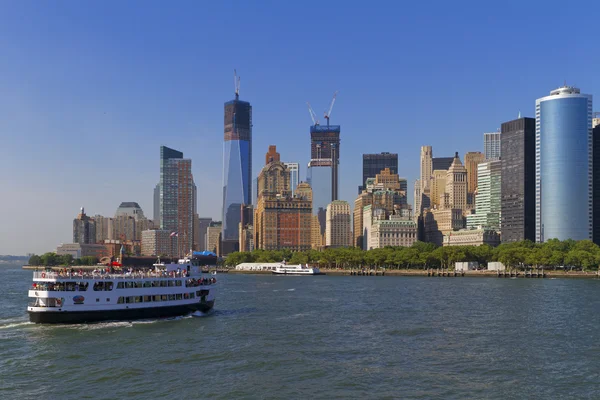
488	198
596	181
564	165
491	146
338	231
157	242
375	163
237	168
456	184
294	169
518	180
472	159
84	229
177	197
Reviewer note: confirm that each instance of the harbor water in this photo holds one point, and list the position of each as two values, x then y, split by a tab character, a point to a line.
283	337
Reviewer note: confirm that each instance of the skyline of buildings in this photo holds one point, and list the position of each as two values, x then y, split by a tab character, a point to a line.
449	196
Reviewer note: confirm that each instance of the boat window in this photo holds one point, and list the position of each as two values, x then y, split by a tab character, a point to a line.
156	298
171	297
163	297
186	296
203	293
178	296
128	285
120	285
178	283
138	299
121	300
171	283
147	284
139	284
156	284
129	299
163	283
147	299
192	295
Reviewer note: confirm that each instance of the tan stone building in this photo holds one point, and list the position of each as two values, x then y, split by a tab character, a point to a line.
438	186
212	236
364	199
456	184
393	231
281	221
337	230
472	237
439	222
472	159
156	242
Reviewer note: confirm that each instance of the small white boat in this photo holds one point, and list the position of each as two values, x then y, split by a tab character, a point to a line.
298	269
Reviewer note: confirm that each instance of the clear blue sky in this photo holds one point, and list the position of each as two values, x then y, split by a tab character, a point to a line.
89	90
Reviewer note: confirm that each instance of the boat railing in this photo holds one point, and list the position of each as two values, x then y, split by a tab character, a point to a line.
104	275
47	305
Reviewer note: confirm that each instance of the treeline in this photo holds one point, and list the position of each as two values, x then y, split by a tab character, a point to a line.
53	259
519	255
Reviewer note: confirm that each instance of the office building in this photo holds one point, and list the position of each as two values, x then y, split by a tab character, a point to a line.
281	221
456	184
564	165
393	230
338	231
375	163
201	223
294	170
596	181
439	222
213	233
472	159
246	228
78	250
157	242
426	167
364	199
472	237
437	186
441	163
84	229
104	228
491	146
237	168
177	198
488	198
156	211
518	180
131	209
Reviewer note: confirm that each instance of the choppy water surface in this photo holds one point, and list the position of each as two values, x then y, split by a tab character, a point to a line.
321	337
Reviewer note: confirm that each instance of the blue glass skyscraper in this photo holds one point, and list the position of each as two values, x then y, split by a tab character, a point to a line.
563	158
237	169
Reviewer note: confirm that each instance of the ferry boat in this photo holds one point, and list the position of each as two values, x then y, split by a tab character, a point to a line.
298	269
165	290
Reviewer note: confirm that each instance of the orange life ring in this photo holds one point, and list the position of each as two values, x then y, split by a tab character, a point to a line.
43	274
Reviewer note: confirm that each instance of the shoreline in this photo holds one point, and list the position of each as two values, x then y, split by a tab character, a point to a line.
425	273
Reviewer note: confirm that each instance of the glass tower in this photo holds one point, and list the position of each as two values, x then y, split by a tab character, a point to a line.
237	169
294	169
563	164
375	163
491	146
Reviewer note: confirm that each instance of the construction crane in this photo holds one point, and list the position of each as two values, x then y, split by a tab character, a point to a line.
328	113
236	84
313	116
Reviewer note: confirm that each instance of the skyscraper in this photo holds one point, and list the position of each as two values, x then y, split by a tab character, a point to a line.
294	169
426	166
491	146
375	163
156	211
518	180
488	201
338	231
563	165
472	158
237	168
456	184
177	199
84	229
596	181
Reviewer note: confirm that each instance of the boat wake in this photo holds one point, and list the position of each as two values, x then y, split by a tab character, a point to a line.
14	324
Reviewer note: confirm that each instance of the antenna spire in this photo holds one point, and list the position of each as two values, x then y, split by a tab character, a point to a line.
236	84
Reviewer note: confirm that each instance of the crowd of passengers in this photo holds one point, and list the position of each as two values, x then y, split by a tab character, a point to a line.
60	286
108	286
106	271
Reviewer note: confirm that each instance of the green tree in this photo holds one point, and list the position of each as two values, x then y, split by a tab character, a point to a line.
35	260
